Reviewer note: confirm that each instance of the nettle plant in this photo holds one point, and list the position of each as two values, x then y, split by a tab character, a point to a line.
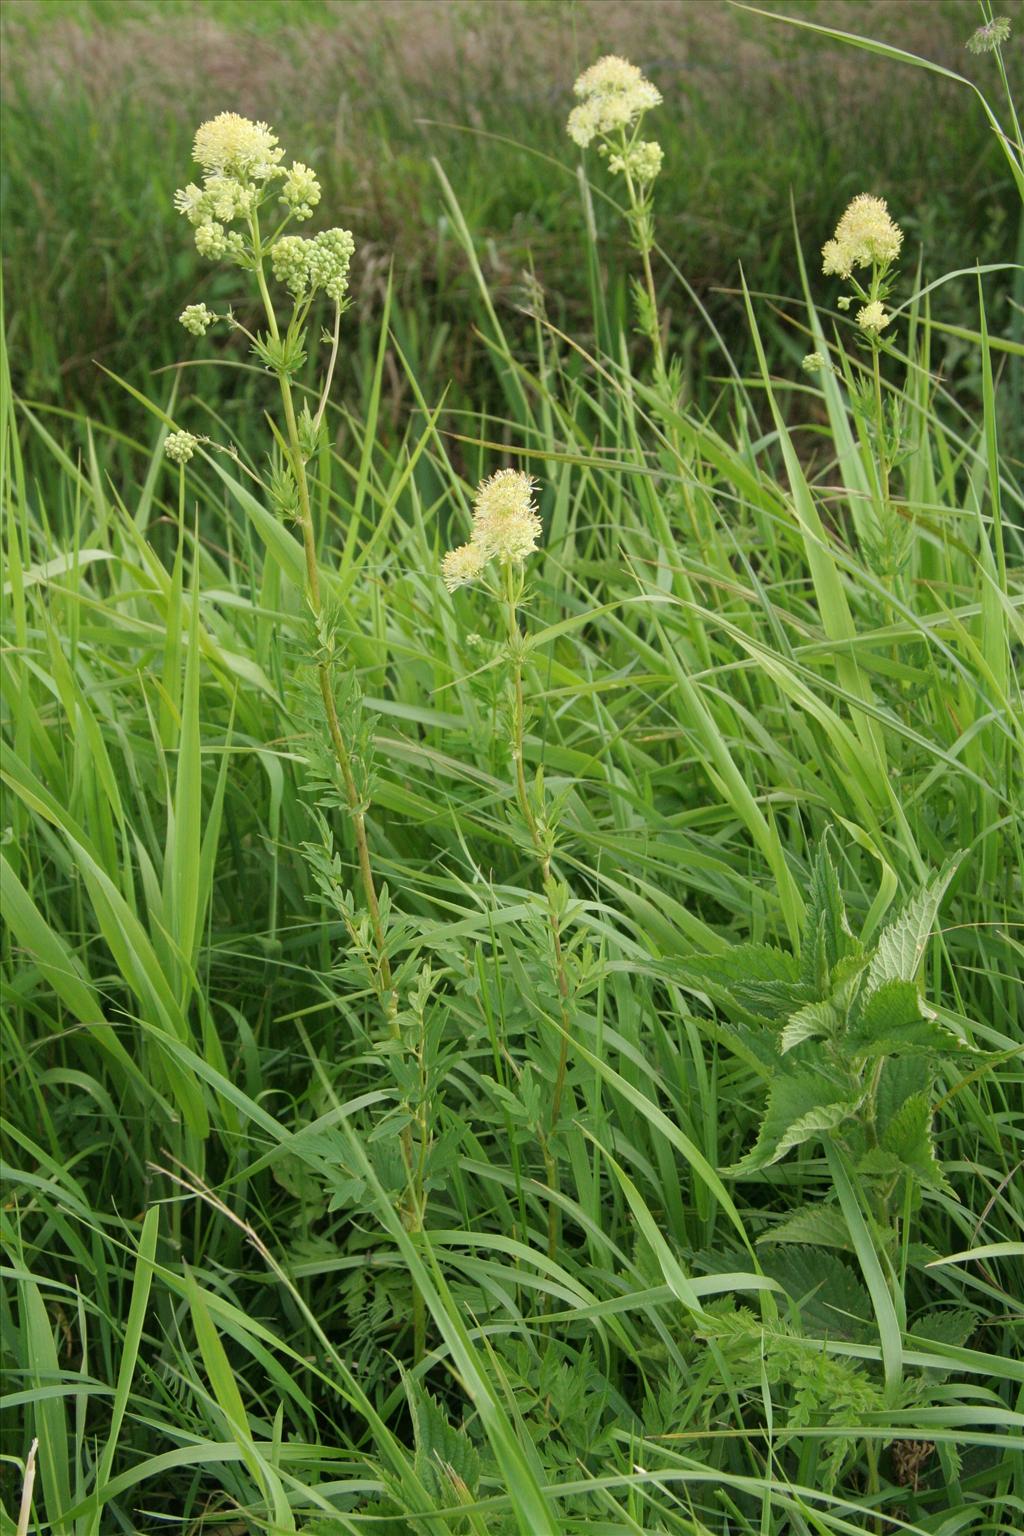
848	1051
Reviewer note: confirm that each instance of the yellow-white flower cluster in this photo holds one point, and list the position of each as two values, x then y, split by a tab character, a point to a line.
229	145
506	528
614	95
240	160
865	236
873	317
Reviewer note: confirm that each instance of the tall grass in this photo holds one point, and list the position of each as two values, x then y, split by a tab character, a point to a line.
209	1317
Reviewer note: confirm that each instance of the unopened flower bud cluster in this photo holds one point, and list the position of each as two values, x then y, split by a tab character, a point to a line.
506	528
304	265
180	446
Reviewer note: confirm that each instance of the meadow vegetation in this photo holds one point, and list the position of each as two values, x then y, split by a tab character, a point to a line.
511	839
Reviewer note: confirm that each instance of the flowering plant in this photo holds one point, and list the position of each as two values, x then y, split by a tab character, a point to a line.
613	97
866	237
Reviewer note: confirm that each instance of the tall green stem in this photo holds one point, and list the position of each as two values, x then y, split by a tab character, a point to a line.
643	245
341	752
543	855
413	1212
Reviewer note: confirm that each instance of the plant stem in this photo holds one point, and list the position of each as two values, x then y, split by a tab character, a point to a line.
543	854
413	1208
645	256
341	752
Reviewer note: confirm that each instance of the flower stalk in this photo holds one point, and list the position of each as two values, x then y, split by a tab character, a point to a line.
540	839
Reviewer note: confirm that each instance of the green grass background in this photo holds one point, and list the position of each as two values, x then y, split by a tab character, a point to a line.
208	1287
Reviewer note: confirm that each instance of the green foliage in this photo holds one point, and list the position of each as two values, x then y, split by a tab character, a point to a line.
282	1171
837	1024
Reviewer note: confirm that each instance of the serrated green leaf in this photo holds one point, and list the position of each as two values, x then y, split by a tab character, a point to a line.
888	1007
749	981
826	929
447	1462
819	1226
901	1077
800	1106
948	1325
908	1138
811	1021
743	963
902	944
895	1019
830	1297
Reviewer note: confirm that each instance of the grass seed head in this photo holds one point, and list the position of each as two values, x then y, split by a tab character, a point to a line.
989	37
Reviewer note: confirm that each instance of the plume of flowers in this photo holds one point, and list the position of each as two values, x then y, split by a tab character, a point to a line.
241	161
614	95
230	145
506	528
866	237
873	317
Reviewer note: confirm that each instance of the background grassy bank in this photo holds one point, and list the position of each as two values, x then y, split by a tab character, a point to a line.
232	1303
100	103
